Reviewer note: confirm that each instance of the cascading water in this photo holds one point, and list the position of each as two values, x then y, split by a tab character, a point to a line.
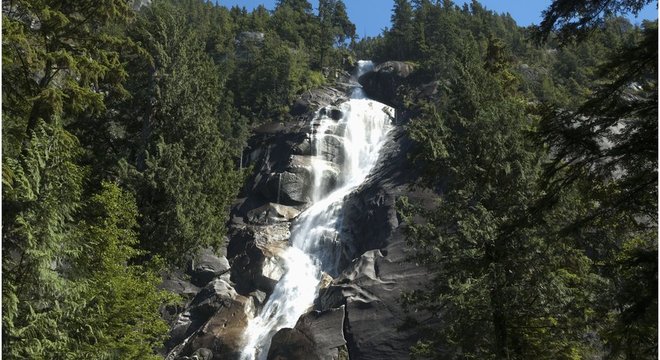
315	244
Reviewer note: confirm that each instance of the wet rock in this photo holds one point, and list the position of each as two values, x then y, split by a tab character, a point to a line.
329	171
331	148
259	298
369	213
295	185
332	112
288	188
376	269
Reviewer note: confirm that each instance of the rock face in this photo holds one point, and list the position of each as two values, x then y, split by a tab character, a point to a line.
216	299
255	251
206	266
356	314
377	267
319	98
383	82
317	335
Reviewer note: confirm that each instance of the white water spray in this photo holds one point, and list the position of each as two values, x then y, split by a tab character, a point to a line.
315	244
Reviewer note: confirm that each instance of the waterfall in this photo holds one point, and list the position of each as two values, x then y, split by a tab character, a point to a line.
315	244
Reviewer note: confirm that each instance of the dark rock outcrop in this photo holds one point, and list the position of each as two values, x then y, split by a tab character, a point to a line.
371	291
318	333
378	269
292	344
216	295
271	213
177	284
223	332
254	253
383	82
206	265
313	100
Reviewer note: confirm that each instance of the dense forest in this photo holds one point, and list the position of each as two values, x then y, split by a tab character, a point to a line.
123	126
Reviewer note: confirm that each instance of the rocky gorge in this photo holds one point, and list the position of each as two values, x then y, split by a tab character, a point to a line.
357	312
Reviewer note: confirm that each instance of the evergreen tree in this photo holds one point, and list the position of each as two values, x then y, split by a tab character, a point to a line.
401	34
573	19
336	28
610	145
184	173
494	289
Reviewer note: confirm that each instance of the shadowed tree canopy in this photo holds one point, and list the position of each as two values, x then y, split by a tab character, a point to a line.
571	18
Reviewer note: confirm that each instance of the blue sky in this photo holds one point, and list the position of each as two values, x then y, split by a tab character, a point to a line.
371	16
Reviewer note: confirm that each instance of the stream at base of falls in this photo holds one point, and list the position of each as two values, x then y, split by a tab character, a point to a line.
315	238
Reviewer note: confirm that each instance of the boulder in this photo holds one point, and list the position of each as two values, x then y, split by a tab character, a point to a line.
327	172
331	148
177	285
202	354
255	256
317	335
336	114
175	282
382	83
206	265
271	213
332	112
315	99
216	295
288	188
325	329
222	334
371	291
291	344
259	298
294	186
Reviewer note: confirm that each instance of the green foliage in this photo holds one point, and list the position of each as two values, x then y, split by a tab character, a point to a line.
494	288
571	19
40	196
546	223
336	28
124	306
610	144
184	174
401	36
